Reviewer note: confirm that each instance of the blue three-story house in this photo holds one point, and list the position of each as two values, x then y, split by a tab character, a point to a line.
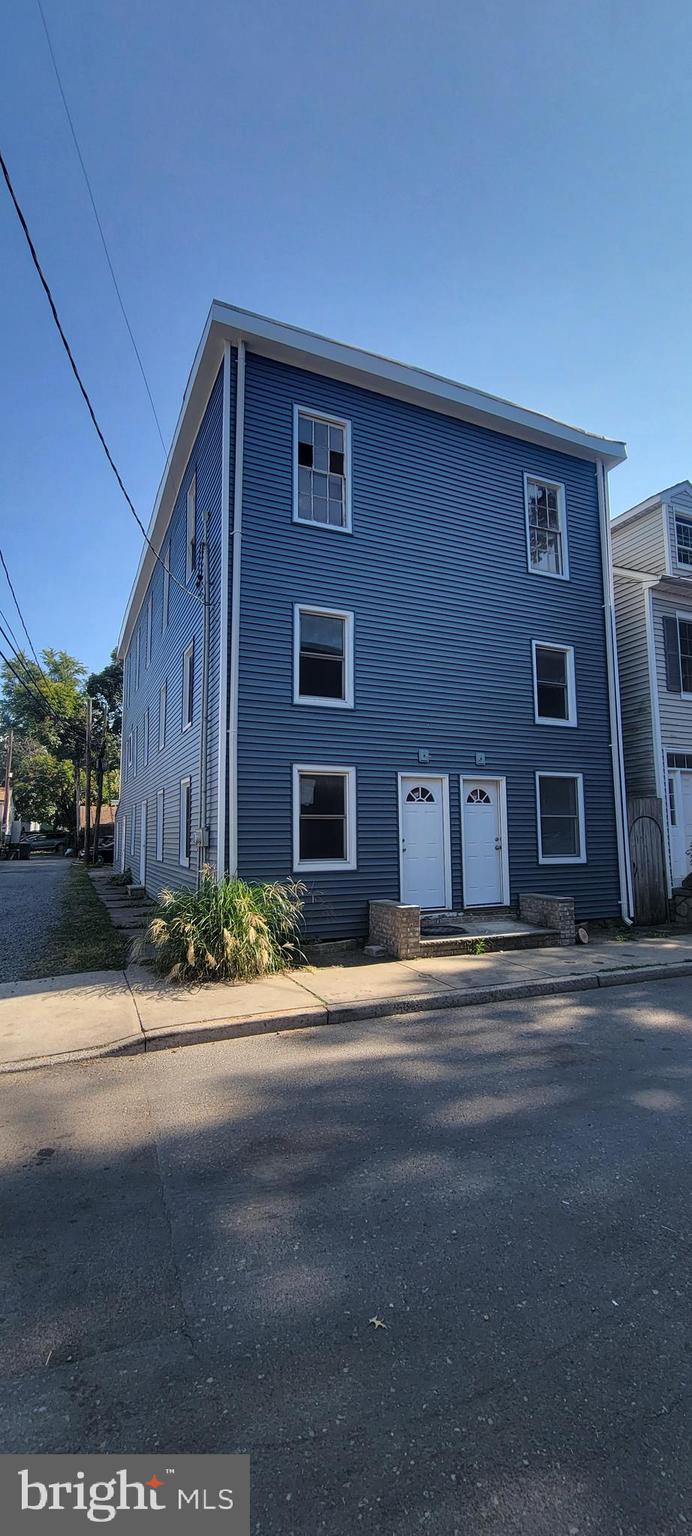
370	643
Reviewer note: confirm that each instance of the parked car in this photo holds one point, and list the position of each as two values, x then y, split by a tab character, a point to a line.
47	842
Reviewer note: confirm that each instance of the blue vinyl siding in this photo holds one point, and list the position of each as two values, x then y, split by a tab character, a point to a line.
181	754
445	610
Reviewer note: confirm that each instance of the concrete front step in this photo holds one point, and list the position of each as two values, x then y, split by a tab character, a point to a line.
536	938
127	920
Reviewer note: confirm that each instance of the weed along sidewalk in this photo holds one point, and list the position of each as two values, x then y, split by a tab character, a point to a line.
115	1012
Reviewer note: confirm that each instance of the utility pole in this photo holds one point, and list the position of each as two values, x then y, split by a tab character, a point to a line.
8	783
87	790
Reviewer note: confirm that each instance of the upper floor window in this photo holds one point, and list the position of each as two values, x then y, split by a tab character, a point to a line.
191	528
560	804
321	470
553	684
188	683
145	738
546	527
150	609
323	657
677	644
166	586
138	644
185	822
159	824
683	540
162	716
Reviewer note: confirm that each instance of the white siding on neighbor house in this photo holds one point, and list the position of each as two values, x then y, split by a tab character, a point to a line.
675	711
683	504
640	543
635	691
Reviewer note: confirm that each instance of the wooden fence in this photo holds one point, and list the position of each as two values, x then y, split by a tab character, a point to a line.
647	850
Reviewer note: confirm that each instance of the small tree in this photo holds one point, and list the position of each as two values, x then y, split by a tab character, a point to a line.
106	691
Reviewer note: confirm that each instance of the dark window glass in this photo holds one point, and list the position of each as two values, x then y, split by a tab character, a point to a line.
305	454
188	821
683	536
322	662
321	472
322	816
559	810
551	684
685	655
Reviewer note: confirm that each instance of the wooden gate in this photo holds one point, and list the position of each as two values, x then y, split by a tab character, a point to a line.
647	851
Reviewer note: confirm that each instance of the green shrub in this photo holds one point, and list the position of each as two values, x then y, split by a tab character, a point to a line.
227	930
124	878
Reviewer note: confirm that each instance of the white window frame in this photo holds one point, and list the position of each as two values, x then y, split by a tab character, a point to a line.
163	705
561	858
682	517
332	421
123	843
190	526
551	485
188	676
333	866
145	739
160	812
138	639
165	610
346	614
130	752
133	830
682	618
185	790
568	651
150	618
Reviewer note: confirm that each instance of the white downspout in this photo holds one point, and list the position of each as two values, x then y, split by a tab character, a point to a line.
616	746
235	615
221	861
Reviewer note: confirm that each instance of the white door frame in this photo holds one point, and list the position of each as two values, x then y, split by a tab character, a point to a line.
501	781
443	780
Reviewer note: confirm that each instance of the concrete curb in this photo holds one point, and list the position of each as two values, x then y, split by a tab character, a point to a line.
204	1032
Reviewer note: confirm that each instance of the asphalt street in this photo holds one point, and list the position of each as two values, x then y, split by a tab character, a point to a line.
195	1245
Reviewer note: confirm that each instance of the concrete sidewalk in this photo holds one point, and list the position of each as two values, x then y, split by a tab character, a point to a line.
111	1013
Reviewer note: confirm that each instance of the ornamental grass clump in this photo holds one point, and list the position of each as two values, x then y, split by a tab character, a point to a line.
228	930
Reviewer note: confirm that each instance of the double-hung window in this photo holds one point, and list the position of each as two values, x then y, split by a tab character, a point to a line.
191	528
162	716
188	684
150	613
554	691
133	830
685	644
159	825
322	656
324	818
546	527
185	826
560	811
683	540
145	739
321	470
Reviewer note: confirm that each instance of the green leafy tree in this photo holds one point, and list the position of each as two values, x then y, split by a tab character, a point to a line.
106	691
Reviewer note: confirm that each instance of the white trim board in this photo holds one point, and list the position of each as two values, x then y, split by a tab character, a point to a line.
442	779
501	781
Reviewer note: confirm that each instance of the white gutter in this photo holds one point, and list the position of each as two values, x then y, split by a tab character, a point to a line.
221	863
616	744
235	614
661	785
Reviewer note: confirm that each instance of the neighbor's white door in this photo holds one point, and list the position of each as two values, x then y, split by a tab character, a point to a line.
143	844
423	842
680	796
482	835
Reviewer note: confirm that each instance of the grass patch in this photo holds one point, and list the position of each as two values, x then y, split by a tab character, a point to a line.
84	938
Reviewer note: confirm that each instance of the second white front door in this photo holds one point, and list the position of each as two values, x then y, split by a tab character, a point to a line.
424	841
482	833
143	844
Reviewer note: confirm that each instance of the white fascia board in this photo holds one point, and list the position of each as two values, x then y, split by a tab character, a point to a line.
319	354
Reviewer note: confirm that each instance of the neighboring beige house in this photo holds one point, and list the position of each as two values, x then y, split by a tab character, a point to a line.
652	560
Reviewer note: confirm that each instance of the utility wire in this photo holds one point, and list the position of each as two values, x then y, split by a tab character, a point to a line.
82	386
19	611
37	700
16	647
30	686
80	157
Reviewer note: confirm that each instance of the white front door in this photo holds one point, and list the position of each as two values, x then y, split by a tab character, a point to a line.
424	841
143	844
680	802
482	832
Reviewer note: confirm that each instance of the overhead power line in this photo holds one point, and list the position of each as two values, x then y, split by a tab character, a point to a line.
19	611
38	700
99	225
82	386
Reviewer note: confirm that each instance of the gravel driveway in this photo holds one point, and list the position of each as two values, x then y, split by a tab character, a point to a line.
30	900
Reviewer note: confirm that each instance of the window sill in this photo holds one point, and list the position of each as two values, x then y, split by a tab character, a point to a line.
185	728
316	703
550	575
309	522
563	859
324	866
546	720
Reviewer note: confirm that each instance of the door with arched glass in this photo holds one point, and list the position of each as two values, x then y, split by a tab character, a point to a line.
424	831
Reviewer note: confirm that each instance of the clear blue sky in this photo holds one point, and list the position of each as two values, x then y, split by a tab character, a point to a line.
500	192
